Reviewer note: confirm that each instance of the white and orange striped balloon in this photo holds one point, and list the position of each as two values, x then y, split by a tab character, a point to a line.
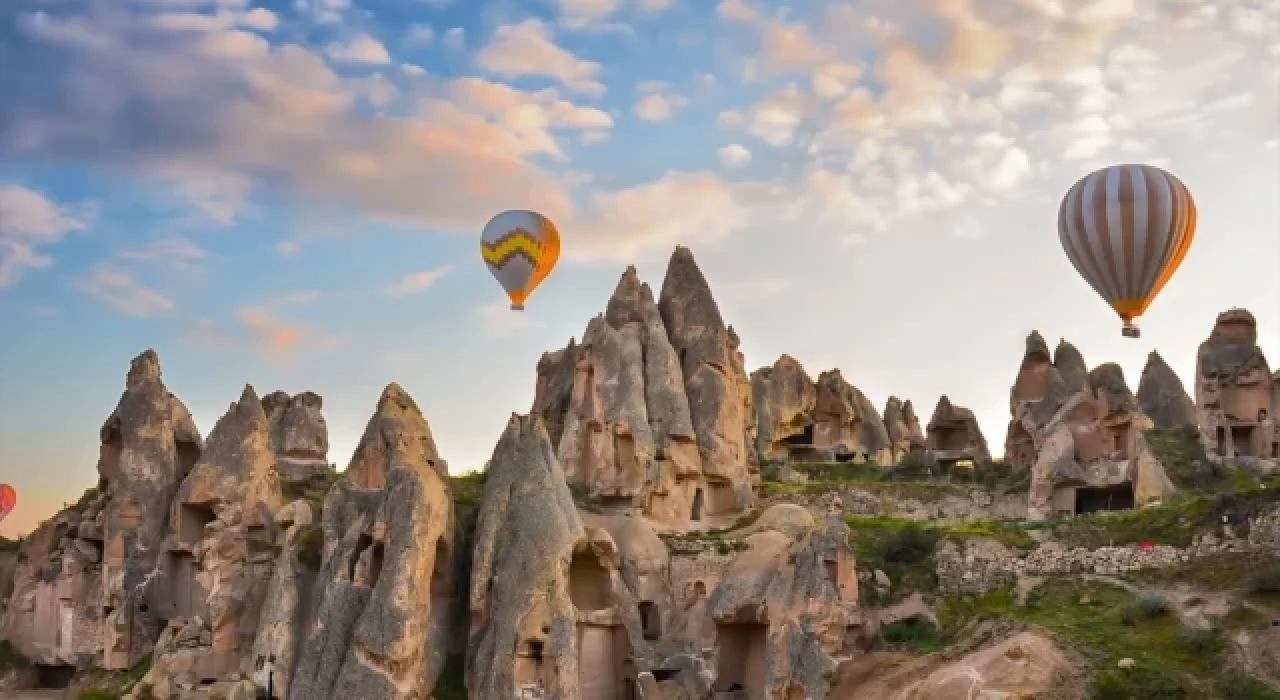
1126	229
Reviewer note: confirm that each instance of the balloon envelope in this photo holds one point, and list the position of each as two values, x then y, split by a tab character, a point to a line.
8	499
520	248
1126	229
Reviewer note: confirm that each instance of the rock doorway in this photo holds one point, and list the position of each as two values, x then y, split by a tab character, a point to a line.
109	453
185	597
1242	440
650	621
589	584
950	438
188	453
741	668
1221	438
54	677
192	519
1105	498
602	662
696	513
441	575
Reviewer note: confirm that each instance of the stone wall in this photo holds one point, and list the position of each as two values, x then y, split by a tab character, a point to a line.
697	560
946	504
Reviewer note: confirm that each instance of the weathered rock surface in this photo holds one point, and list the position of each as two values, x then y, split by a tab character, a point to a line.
845	420
782	610
1162	397
784	397
1042	386
299	434
1234	395
954	434
903	428
386	583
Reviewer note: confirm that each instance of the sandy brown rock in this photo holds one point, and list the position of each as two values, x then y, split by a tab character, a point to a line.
1162	397
715	381
299	434
386	586
1234	394
781	613
554	390
903	427
844	419
954	434
784	398
526	534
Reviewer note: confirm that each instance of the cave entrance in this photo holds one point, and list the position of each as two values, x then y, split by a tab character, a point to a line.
721	498
1221	435
802	439
602	662
742	668
54	676
950	437
188	453
1104	498
697	506
441	573
366	562
109	453
1242	440
1120	440
185	597
650	621
588	583
192	519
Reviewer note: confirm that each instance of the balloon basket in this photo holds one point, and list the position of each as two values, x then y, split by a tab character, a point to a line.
1130	331
517	307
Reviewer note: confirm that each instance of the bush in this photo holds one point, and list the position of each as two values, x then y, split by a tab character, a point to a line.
913	633
1204	643
1152	605
909	545
1138	683
1266	581
1243	688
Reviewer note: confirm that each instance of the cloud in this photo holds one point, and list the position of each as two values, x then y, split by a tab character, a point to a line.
526	49
288	249
656	102
122	292
30	221
455	39
360	49
260	331
500	321
174	252
416	281
227	117
419	34
734	156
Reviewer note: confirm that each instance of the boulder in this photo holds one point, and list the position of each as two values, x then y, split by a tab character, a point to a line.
846	420
1162	397
903	428
386	585
784	398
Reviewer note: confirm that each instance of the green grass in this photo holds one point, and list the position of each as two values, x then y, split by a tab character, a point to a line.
916	477
1223	571
913	635
902	549
1174	523
1106	624
467	488
313	490
98	695
1236	687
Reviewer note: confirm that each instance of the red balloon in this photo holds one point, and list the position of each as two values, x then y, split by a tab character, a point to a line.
8	499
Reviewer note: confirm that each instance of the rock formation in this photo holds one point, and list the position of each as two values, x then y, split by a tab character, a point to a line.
1043	384
847	422
1162	397
1234	394
903	428
551	615
954	435
784	397
652	411
299	435
387	581
782	611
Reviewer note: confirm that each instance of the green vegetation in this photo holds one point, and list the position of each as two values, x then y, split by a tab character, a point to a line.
902	549
96	694
1106	624
313	490
1235	687
467	488
913	635
1174	523
917	477
8	545
311	547
10	659
452	684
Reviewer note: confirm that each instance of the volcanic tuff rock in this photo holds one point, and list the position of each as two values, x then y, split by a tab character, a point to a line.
784	397
1042	386
845	419
299	435
387	582
903	427
1162	396
1234	394
953	433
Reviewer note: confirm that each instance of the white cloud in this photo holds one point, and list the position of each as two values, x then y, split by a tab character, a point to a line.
416	281
360	49
734	156
122	292
29	221
419	34
656	102
455	39
527	49
174	252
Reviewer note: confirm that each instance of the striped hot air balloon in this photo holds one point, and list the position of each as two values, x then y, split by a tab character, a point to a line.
1126	229
520	248
8	499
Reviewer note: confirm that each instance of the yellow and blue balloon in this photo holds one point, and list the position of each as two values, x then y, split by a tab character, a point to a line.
520	248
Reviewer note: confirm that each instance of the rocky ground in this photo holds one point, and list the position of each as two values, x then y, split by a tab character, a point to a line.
664	525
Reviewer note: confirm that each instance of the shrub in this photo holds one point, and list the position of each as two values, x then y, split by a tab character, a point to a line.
1266	581
911	544
1138	682
913	633
1152	605
1237	687
1204	643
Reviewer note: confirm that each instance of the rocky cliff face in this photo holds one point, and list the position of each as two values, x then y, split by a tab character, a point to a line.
903	428
1162	397
953	434
1234	399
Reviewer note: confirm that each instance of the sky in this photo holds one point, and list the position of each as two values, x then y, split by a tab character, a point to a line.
289	194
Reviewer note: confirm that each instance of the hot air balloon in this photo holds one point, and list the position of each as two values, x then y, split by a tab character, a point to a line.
8	499
1126	229
520	247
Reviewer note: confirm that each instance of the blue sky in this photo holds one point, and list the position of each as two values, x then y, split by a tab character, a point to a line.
289	193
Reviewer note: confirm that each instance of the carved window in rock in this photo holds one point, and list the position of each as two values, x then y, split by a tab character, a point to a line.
589	583
441	571
696	513
832	568
650	621
192	519
1242	440
366	562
